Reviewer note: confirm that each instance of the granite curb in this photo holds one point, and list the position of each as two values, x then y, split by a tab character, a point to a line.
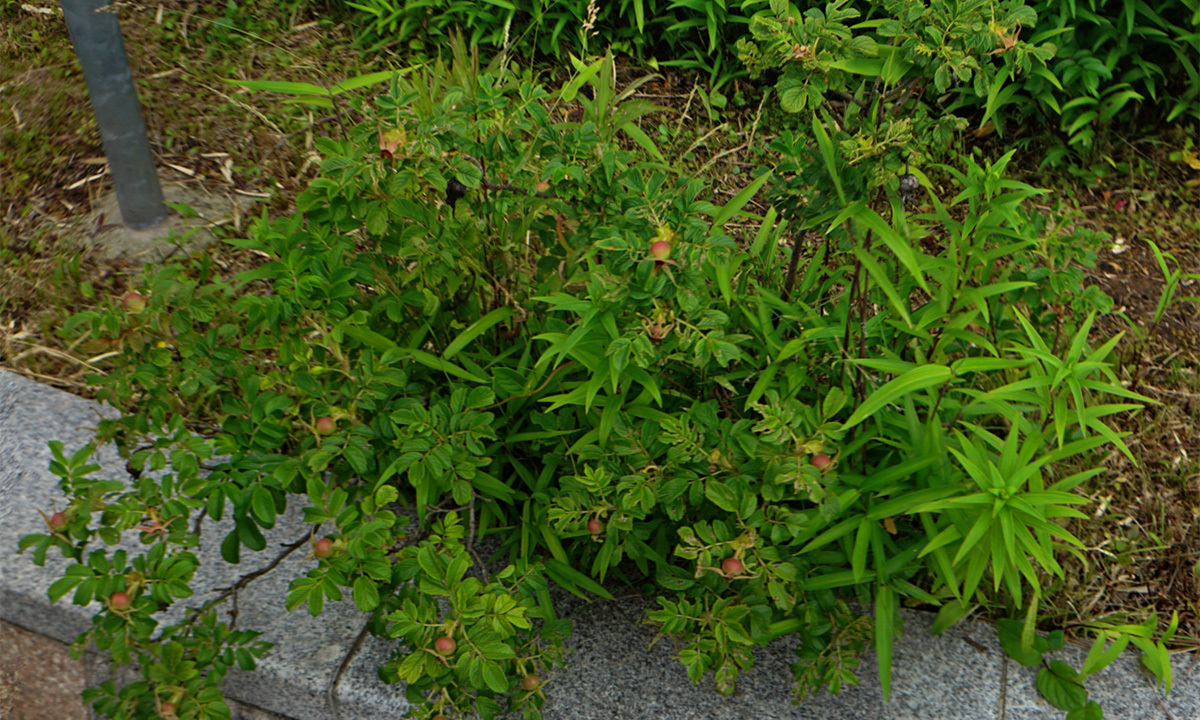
614	670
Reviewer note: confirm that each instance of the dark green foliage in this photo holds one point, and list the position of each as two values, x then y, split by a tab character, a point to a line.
693	34
509	361
1117	60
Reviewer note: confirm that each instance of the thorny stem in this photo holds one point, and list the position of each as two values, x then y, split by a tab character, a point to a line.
331	691
245	580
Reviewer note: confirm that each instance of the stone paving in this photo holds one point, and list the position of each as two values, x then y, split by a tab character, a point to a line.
614	671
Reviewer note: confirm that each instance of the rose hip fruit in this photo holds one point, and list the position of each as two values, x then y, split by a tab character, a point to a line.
326	425
120	600
595	526
57	522
660	249
439	717
168	709
323	548
530	682
134	302
445	645
732	566
821	461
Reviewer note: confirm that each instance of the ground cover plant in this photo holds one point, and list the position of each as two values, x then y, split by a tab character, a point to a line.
480	301
610	306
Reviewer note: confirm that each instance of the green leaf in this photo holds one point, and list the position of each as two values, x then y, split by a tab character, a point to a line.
897	244
231	547
827	152
280	86
383	344
1099	657
366	595
721	495
731	208
641	138
862	543
793	90
263	506
949	615
1062	687
355	83
876	271
571	89
386	494
476	329
558	569
62	586
245	660
493	675
1091	711
885	605
1009	631
871	67
910	382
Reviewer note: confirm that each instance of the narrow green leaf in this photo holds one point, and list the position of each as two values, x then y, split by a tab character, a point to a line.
885	605
476	329
827	152
564	570
731	208
949	615
383	344
884	282
641	138
910	382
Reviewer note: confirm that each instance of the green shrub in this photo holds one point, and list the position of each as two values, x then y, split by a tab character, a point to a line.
1115	59
468	292
1079	67
923	62
691	34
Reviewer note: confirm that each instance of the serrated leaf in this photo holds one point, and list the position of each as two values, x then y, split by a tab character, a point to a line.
366	595
263	506
495	678
721	495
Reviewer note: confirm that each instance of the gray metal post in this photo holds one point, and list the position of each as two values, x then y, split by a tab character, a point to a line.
101	51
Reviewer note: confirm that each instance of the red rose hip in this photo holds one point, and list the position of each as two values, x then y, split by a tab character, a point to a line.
323	548
594	526
445	645
57	522
732	566
821	461
660	249
134	302
120	600
326	425
530	682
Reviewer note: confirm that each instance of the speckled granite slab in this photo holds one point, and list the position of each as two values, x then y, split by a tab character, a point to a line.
614	673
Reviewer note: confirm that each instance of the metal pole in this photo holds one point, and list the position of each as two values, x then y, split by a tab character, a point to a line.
96	34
